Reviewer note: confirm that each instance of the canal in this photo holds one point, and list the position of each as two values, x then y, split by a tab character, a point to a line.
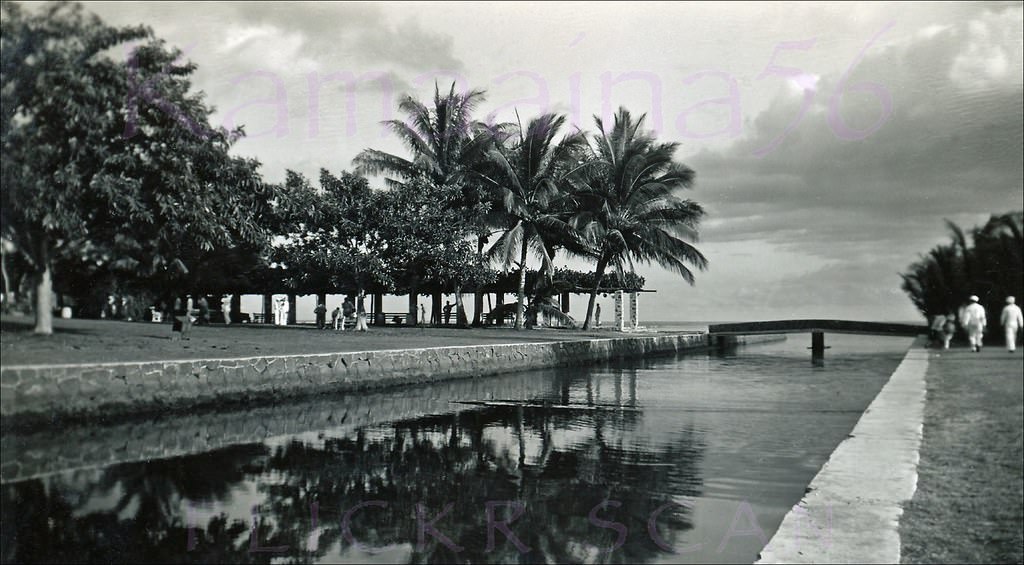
694	458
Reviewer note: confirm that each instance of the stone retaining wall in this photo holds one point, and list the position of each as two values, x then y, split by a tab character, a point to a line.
38	393
42	451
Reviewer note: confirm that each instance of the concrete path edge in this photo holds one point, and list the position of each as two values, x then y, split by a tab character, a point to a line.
853	506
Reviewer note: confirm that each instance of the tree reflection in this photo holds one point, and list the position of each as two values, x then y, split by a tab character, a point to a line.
559	464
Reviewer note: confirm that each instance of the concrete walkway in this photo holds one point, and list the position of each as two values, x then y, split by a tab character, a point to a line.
853	506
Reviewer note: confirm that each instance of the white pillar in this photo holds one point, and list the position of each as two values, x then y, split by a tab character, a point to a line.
619	318
634	309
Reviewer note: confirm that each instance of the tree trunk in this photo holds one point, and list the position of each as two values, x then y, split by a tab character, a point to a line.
478	307
598	275
478	296
361	324
414	296
44	289
435	309
521	293
460	308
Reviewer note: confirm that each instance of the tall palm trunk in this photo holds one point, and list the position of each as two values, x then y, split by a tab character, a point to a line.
521	292
44	288
598	275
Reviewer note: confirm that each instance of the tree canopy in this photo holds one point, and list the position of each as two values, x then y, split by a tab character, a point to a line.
986	262
113	177
112	163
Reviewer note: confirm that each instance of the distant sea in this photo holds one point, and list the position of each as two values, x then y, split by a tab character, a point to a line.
677	326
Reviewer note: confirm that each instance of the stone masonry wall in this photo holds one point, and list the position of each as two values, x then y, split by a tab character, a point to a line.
36	393
45	450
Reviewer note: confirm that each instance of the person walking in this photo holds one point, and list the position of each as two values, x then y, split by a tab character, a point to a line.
423	315
225	308
974	322
1012	320
204	311
938	322
335	317
348	310
321	315
181	323
948	330
597	316
447	312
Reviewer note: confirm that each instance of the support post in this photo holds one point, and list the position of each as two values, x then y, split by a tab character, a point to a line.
620	322
634	310
565	302
378	309
817	346
236	308
291	310
268	309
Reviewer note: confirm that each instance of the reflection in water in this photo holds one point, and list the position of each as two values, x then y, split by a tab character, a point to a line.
658	453
450	481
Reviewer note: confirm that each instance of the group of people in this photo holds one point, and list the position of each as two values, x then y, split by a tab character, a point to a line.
347	311
974	321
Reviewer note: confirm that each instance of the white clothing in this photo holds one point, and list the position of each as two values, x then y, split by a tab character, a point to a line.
974	322
281	314
974	316
1011	319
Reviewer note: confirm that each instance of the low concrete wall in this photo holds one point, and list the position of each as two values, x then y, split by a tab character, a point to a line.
38	393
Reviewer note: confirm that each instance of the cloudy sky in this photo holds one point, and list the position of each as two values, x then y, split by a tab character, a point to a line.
830	140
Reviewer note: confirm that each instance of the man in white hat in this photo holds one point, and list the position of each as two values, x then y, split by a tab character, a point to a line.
1012	320
974	322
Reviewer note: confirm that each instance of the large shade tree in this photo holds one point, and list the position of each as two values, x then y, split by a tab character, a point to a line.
331	236
630	207
446	146
428	232
527	183
113	161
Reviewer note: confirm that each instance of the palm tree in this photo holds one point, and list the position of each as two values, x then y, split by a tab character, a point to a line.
630	211
444	140
527	180
446	146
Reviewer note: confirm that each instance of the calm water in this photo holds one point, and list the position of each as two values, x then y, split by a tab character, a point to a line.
689	459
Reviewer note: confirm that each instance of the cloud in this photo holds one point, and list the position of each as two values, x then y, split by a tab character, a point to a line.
993	53
353	34
943	147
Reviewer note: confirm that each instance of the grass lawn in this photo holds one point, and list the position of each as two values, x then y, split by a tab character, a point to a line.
89	341
969	504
